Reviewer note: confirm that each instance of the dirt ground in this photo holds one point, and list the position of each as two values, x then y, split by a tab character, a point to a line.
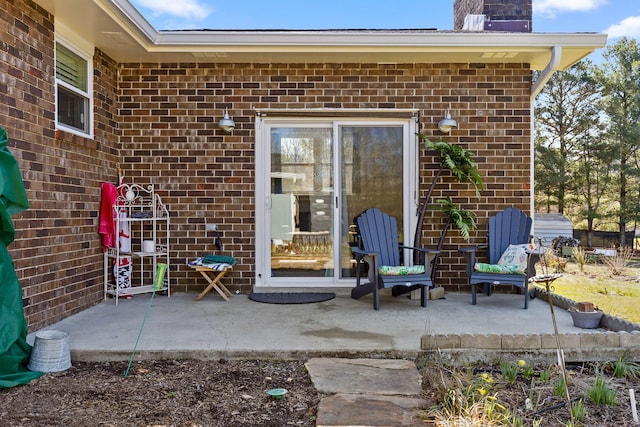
233	393
165	393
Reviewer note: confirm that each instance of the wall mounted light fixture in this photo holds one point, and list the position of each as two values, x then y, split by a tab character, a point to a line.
226	123
447	123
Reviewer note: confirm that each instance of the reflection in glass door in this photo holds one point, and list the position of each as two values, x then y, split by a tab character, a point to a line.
301	180
371	177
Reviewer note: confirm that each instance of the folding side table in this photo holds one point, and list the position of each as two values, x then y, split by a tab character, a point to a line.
213	277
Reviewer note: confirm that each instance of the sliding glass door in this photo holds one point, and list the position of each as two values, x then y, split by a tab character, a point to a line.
371	177
302	201
317	177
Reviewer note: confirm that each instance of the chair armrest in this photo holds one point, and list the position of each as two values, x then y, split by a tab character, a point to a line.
359	255
362	253
429	256
469	253
423	250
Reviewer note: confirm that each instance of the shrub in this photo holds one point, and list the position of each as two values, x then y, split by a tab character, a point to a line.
580	257
618	263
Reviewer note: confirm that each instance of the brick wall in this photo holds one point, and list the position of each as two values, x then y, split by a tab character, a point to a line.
170	138
56	254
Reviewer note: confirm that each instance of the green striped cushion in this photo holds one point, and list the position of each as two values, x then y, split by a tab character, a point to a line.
497	268
400	270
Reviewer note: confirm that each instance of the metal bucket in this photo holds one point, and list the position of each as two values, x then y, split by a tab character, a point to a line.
50	352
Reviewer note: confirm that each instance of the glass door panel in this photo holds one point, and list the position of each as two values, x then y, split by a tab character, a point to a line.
301	181
371	172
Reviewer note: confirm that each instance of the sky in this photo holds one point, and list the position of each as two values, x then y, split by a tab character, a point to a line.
617	18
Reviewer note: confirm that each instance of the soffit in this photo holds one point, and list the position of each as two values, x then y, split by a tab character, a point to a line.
118	29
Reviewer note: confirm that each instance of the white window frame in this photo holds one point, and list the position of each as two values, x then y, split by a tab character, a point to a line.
88	95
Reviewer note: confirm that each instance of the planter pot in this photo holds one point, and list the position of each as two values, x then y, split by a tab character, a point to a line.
586	319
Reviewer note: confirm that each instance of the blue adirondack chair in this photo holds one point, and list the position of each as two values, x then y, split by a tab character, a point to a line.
378	233
509	227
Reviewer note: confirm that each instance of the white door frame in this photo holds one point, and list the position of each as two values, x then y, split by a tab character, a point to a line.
263	193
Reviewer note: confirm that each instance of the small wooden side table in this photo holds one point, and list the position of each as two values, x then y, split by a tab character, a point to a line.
213	277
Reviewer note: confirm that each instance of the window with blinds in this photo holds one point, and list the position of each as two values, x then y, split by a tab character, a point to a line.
72	89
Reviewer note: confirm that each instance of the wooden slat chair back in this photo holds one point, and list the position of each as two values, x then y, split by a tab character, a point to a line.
379	234
379	246
509	227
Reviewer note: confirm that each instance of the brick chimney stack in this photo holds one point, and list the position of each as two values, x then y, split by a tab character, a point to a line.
500	15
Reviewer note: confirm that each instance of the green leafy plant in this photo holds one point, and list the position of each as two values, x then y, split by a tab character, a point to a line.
559	388
545	375
600	393
457	160
625	367
462	219
528	371
509	371
537	422
462	167
468	401
578	410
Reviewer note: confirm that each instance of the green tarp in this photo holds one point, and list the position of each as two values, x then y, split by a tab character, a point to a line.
14	350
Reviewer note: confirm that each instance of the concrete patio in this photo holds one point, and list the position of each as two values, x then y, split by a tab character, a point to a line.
179	327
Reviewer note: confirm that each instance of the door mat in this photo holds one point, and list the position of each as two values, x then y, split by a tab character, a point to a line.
291	297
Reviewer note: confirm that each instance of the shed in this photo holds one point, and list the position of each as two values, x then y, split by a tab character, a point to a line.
548	226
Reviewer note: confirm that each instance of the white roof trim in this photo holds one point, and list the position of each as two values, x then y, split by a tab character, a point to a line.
117	28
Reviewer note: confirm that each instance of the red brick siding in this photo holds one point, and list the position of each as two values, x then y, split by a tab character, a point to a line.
56	253
164	116
170	138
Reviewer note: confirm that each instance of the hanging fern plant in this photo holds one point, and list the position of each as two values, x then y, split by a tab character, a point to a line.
463	168
462	219
457	160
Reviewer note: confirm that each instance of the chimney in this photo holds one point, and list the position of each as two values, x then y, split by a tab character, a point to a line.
497	15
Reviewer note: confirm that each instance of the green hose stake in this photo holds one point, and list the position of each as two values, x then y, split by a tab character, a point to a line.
158	283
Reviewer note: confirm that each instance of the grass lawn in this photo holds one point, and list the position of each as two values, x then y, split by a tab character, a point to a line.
617	295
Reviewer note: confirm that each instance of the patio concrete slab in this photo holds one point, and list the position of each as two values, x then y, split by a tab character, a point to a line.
179	327
336	336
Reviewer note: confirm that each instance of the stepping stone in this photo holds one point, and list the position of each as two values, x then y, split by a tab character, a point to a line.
368	376
367	392
360	410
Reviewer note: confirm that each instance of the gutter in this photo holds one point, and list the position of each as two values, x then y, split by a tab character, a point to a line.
552	66
545	76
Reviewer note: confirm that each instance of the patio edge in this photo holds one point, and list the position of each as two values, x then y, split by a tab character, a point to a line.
616	338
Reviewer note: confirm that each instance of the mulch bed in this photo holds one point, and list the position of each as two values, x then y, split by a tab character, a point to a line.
165	393
233	393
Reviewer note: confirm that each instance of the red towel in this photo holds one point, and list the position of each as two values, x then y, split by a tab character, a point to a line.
106	225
